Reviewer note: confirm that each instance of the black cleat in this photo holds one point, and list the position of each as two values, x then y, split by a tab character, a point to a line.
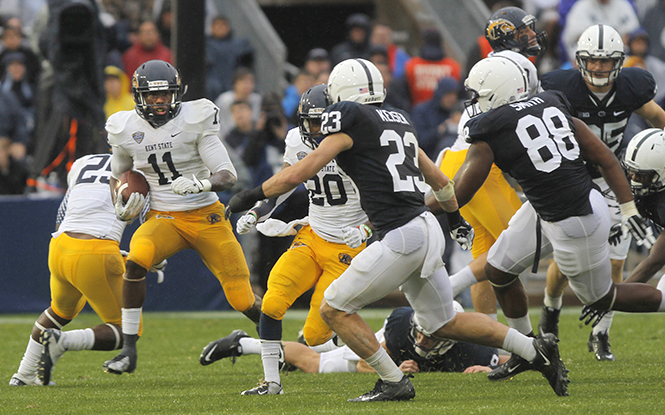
515	365
389	391
225	347
549	321
52	350
549	363
599	344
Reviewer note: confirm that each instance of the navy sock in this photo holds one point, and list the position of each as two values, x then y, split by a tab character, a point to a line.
270	328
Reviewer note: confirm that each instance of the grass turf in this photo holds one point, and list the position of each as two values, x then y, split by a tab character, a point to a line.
169	379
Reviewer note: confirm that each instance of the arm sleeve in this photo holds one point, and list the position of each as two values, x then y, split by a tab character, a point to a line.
214	155
266	207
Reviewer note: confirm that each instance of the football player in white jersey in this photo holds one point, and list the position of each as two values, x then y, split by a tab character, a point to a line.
175	145
86	266
511	34
318	255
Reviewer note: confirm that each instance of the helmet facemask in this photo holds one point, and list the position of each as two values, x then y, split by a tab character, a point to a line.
312	104
155	76
644	162
503	28
437	348
600	42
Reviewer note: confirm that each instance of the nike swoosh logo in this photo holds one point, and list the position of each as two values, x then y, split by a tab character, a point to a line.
207	357
512	369
547	361
617	113
173	135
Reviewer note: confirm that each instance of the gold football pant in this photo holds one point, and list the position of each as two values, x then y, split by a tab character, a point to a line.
311	261
491	207
207	232
86	270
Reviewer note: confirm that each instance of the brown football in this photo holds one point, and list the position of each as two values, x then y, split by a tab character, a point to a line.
136	183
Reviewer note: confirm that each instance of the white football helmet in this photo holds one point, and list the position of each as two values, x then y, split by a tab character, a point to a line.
439	346
356	80
496	81
600	42
644	160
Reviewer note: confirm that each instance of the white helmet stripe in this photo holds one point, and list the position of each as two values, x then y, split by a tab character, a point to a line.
369	76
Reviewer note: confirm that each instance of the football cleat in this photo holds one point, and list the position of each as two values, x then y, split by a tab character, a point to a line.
52	350
549	321
265	388
599	344
17	381
515	365
549	363
389	391
228	346
125	362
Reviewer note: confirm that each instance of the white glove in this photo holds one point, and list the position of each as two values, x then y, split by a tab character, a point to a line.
246	223
159	269
354	237
635	224
131	209
183	186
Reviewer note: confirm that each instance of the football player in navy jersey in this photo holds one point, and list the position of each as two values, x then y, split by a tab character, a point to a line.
544	148
378	150
603	96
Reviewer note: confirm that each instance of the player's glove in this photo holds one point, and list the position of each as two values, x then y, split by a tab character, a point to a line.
246	223
159	269
616	235
590	314
354	237
183	186
635	224
128	211
244	200
460	230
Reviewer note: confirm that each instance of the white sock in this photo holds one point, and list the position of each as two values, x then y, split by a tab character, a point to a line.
385	366
78	339
661	283
131	319
326	347
519	344
249	345
605	323
27	369
553	302
270	351
522	324
461	280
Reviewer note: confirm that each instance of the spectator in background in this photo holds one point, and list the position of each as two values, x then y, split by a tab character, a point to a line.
13	174
358	27
423	72
639	45
317	62
164	23
432	118
116	85
224	54
303	81
239	136
243	90
619	14
397	94
148	46
15	81
654	25
14	125
382	34
12	41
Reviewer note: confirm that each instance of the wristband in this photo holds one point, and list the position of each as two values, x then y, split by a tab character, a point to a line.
206	185
367	229
628	209
446	193
454	219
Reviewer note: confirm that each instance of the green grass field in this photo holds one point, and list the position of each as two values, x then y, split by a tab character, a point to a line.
170	380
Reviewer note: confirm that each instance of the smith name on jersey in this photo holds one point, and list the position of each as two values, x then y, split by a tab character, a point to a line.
163	154
534	141
606	117
334	201
382	162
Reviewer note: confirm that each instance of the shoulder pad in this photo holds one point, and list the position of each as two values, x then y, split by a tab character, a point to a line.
195	112
117	122
293	138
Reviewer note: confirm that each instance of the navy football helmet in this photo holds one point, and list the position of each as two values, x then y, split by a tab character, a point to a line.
312	104
503	27
153	76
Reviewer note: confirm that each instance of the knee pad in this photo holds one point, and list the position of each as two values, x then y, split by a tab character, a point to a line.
274	305
316	335
240	296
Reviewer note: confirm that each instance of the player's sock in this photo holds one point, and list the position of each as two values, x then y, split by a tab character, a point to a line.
605	323
520	344
249	345
522	324
328	346
384	366
28	366
78	339
553	302
461	280
131	320
270	353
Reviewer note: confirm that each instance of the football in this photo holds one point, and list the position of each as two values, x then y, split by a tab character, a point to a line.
136	183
